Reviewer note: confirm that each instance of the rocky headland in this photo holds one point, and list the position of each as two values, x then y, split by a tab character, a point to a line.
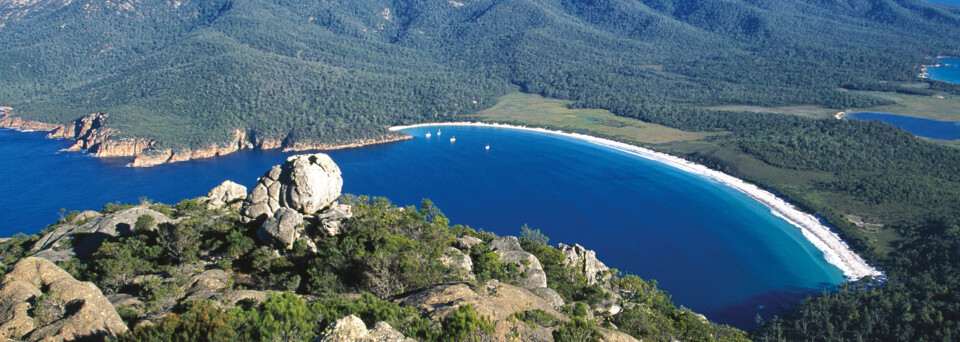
329	267
90	134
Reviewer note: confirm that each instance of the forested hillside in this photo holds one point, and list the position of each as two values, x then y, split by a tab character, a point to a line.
188	73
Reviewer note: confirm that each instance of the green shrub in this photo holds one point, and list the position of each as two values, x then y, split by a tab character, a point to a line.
283	317
465	324
578	330
537	318
201	321
144	223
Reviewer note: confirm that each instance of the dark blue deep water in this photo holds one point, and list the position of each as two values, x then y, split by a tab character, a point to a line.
950	70
922	127
714	249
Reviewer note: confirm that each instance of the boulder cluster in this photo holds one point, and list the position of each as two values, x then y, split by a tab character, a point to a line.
305	187
305	183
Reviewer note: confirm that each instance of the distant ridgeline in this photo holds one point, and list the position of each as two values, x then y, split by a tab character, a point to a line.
190	73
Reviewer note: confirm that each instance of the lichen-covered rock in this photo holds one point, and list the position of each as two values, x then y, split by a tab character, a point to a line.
467	242
280	230
210	280
305	183
331	217
232	297
85	216
550	296
584	260
41	302
495	300
458	260
352	329
86	238
228	194
508	247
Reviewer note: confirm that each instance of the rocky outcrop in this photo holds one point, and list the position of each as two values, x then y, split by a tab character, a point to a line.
207	284
305	183
90	134
498	301
300	146
153	157
228	194
86	238
281	229
467	242
550	295
508	247
231	298
331	217
14	122
584	260
41	302
459	261
352	329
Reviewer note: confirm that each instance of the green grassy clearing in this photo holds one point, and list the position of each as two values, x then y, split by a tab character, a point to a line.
535	110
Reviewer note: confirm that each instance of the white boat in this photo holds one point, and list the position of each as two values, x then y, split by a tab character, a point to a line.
452	139
487	148
438	132
428	134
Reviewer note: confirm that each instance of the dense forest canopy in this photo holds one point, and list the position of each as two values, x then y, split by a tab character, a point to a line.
186	73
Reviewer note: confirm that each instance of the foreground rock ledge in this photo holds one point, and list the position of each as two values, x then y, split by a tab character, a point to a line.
41	302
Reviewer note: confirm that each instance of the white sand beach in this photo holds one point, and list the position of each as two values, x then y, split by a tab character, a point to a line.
834	249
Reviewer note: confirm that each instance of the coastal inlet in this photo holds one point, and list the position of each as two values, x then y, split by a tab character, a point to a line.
713	247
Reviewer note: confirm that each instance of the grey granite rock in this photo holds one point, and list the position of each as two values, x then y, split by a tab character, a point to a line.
280	230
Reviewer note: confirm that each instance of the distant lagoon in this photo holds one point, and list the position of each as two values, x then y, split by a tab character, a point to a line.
922	127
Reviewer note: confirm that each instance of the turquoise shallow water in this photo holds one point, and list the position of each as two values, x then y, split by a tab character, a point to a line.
949	71
715	249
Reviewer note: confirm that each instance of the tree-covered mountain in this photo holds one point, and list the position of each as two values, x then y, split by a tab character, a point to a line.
188	73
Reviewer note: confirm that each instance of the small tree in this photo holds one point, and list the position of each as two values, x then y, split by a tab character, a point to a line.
144	223
181	242
532	237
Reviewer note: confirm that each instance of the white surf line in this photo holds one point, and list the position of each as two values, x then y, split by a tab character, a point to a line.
834	249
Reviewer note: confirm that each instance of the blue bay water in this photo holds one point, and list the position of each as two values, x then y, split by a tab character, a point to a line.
946	2
714	249
922	127
950	70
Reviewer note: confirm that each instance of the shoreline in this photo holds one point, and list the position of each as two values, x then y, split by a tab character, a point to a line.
925	74
834	249
88	136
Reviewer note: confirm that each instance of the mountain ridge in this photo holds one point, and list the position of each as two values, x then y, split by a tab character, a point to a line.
187	74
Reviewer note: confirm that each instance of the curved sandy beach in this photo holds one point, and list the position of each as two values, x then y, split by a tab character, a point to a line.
835	250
